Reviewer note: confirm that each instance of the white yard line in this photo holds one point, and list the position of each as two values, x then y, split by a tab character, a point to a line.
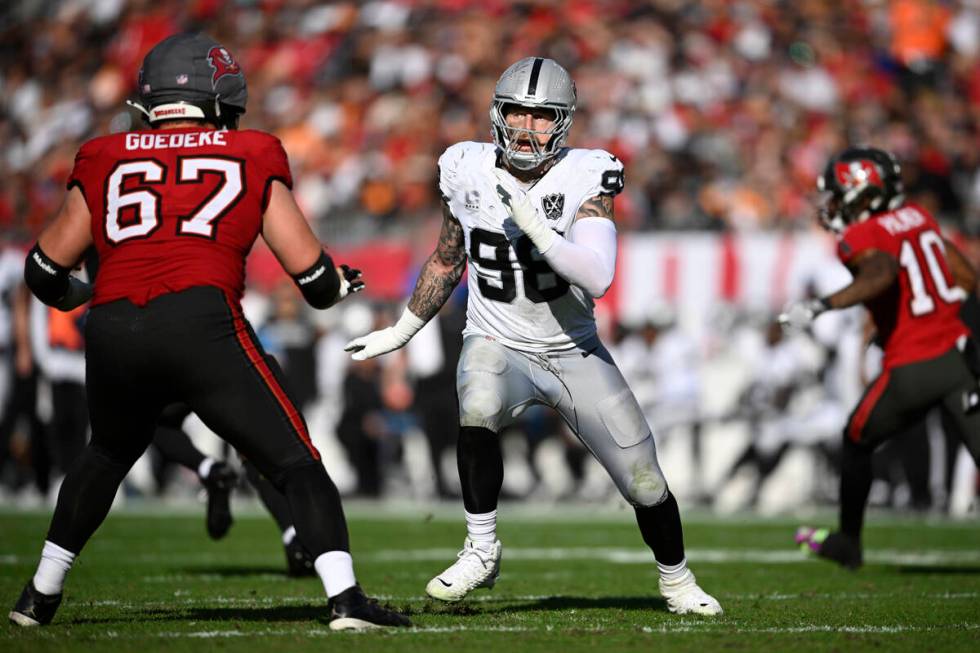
266	601
617	555
681	627
697	556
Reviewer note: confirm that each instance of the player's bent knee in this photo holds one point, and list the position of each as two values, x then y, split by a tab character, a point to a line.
117	461
645	484
480	407
304	469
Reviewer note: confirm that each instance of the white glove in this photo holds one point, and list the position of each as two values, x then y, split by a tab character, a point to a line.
523	212
385	340
799	315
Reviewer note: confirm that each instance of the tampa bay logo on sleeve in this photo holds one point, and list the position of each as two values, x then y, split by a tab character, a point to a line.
223	64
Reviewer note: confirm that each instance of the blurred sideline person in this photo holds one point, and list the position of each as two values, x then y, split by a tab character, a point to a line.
911	280
173	212
662	364
58	345
535	220
20	405
432	359
777	403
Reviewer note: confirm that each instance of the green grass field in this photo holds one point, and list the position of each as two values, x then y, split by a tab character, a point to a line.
571	581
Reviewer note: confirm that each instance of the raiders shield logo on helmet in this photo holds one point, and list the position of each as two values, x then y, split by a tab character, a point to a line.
553	205
223	63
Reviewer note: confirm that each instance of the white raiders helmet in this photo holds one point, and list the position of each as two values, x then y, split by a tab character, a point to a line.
532	82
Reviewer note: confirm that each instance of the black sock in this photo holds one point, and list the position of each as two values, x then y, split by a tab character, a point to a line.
85	498
314	504
272	499
855	484
481	468
660	526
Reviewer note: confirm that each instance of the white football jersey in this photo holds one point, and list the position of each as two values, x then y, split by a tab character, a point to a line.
514	295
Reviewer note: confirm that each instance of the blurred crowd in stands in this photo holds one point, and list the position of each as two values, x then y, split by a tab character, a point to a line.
724	112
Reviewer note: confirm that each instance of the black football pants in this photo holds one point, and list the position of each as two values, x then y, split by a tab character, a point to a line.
898	398
194	347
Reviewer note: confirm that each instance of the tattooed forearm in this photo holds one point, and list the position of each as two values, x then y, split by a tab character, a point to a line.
600	206
442	271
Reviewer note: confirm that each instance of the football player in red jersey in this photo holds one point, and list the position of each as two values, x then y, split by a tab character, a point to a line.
912	281
173	212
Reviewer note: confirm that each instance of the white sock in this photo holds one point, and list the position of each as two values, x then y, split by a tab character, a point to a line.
336	571
669	573
205	468
54	566
288	535
482	527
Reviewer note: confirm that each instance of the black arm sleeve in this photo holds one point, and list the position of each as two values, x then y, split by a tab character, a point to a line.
46	279
320	284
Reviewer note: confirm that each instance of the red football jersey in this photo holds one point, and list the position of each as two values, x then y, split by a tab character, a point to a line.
175	208
918	317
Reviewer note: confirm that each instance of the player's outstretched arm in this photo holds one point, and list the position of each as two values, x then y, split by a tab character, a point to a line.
439	276
59	248
874	272
587	258
964	275
300	253
442	271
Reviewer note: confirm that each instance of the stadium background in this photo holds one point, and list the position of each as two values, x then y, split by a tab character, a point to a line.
723	113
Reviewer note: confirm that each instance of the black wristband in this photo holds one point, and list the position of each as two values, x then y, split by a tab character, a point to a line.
319	284
47	279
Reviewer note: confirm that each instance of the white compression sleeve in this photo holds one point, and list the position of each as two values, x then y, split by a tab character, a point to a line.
587	258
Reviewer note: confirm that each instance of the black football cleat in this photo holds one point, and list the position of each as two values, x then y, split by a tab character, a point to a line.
831	545
299	561
34	608
219	484
352	610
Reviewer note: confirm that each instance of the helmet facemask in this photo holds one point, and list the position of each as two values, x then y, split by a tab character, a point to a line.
532	83
509	138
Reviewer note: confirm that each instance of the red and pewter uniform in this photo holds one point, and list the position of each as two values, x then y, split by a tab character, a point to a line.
919	327
918	318
174	215
176	208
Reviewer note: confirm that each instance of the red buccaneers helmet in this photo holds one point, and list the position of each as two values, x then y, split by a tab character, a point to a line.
856	183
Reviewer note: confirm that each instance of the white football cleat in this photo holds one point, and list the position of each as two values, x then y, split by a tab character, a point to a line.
478	566
685	597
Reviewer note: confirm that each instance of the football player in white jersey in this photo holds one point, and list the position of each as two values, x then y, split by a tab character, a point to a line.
534	219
